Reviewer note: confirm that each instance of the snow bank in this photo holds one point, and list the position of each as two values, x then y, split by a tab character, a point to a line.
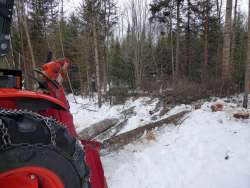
209	150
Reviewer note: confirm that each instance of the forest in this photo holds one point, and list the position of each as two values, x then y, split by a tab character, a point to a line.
183	49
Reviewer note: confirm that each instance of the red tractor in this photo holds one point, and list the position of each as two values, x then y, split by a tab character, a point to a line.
39	147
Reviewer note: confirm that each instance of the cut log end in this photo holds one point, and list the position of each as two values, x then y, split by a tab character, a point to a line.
218	106
242	115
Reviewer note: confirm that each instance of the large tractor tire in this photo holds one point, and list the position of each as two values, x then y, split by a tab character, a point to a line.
42	147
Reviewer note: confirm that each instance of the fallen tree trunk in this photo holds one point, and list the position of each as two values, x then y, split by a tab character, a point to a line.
128	137
111	132
97	128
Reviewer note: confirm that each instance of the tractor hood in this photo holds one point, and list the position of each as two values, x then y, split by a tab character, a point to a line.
32	101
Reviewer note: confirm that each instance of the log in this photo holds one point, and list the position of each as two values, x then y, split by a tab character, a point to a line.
112	131
164	111
129	112
97	128
131	136
197	104
241	115
218	106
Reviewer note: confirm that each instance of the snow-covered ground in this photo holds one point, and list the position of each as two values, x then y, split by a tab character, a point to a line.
208	150
86	112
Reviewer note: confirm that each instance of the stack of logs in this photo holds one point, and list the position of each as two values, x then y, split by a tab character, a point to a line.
106	131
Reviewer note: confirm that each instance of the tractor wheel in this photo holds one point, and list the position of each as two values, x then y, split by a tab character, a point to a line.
41	148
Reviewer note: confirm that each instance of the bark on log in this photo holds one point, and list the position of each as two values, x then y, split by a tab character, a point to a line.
96	129
111	132
128	137
129	112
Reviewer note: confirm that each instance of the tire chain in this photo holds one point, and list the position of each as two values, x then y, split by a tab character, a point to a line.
5	135
51	124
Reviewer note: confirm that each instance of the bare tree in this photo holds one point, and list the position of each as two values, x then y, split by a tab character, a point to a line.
178	30
97	62
234	32
172	43
137	18
110	17
206	25
188	37
247	69
218	55
26	29
21	53
226	70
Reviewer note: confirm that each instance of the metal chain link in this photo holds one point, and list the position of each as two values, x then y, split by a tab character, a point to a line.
5	135
49	122
52	131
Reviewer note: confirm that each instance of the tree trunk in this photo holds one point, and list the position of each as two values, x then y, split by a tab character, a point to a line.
61	29
204	71
15	64
24	66
226	70
111	132
234	33
88	81
98	128
177	71
97	63
247	73
80	75
105	67
32	66
26	29
121	140
188	39
106	45
172	44
219	43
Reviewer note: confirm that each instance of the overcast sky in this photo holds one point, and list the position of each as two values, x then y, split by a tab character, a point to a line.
72	4
244	5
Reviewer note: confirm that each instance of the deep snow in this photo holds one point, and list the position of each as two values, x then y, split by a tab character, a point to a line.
208	150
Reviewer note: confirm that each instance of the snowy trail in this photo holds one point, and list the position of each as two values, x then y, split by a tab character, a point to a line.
209	150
